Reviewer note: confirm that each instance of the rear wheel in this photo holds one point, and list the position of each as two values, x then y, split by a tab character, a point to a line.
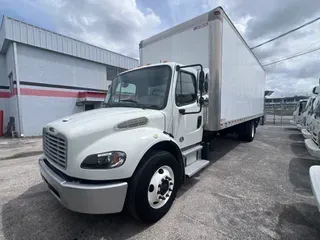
248	132
153	187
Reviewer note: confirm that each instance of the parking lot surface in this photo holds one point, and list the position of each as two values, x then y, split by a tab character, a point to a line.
257	190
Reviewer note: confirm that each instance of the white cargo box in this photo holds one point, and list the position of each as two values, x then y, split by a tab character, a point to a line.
236	80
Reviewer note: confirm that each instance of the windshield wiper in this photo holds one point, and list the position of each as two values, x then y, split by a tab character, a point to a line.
129	100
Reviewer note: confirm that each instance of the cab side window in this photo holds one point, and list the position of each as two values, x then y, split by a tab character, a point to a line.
186	91
316	110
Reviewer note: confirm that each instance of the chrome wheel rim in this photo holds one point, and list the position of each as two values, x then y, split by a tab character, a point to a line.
252	131
160	187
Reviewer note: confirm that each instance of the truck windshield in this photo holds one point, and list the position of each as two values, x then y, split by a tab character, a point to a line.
145	87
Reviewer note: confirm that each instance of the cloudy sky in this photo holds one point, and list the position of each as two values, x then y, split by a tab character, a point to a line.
120	25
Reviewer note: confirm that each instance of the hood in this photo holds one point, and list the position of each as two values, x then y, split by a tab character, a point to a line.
104	121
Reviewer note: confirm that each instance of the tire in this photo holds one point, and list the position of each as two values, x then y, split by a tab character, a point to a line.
223	133
249	131
140	193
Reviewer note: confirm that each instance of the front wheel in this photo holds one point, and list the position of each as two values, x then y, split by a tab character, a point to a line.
153	187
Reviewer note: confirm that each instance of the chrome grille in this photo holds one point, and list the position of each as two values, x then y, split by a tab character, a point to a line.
315	137
55	148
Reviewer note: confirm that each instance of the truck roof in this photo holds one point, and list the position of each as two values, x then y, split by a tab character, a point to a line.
208	16
151	65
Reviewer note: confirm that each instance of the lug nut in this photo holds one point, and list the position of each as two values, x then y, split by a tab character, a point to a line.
168	178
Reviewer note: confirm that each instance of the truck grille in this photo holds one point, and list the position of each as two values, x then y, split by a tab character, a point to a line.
315	137
55	149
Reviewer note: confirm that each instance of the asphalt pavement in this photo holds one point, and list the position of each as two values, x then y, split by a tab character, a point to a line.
257	190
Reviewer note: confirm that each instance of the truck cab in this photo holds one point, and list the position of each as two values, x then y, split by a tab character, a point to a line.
298	114
309	112
138	149
312	143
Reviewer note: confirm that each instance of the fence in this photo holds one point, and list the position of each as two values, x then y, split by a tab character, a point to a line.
279	113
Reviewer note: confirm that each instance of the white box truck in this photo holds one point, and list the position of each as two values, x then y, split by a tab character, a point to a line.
158	123
298	114
313	143
307	115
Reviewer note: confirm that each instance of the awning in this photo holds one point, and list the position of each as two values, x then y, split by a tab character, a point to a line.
91	97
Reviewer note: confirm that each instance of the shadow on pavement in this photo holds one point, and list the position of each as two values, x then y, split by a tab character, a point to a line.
299	149
37	215
299	174
302	217
222	146
291	129
296	137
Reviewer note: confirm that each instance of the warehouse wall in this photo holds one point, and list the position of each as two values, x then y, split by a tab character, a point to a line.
12	108
3	71
3	85
38	111
41	104
42	66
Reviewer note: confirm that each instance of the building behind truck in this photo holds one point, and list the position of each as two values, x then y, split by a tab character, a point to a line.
136	152
45	76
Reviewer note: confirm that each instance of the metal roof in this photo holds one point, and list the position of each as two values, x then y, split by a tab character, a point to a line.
21	32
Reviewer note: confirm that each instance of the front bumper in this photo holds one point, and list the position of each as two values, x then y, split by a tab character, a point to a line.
92	198
306	134
300	126
313	148
314	173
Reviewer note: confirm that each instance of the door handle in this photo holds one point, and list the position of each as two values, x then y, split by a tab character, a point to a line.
199	121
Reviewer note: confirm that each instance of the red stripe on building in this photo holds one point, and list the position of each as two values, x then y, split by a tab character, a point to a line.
5	94
8	94
47	93
52	93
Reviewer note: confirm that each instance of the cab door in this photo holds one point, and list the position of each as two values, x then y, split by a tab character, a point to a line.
315	122
187	128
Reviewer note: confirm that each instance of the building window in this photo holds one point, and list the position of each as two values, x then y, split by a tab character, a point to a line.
111	73
186	91
11	86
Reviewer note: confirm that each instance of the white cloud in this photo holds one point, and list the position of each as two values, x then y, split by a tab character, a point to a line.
120	25
115	25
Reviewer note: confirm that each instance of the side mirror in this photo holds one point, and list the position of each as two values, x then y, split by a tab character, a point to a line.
316	90
201	81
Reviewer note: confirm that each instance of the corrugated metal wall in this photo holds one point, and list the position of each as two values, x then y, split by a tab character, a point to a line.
42	66
2	34
35	36
3	83
12	106
38	111
3	71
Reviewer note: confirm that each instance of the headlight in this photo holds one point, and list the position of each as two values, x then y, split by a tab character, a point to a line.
104	160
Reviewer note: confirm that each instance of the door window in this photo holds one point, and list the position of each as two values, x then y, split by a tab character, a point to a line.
186	91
